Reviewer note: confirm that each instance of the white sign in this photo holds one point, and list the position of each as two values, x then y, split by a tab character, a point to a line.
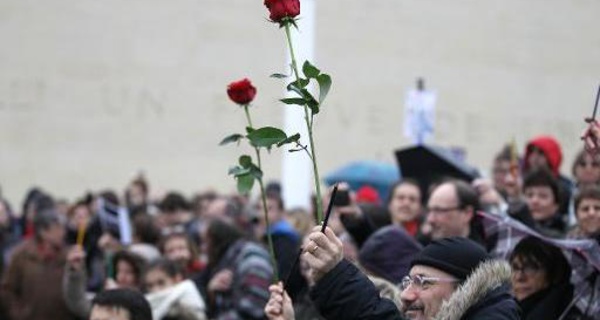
419	115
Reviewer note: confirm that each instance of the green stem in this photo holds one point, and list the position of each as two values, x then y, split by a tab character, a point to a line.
307	120
264	204
269	237
248	116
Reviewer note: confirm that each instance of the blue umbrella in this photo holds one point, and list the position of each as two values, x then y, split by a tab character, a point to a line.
379	175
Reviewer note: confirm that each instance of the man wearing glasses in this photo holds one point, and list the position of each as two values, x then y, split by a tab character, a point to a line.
451	279
451	212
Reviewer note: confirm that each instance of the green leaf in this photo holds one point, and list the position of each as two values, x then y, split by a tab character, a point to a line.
298	101
245	183
298	85
309	70
279	76
293	86
245	161
311	102
266	137
290	139
236	137
324	81
249	129
238	171
256	172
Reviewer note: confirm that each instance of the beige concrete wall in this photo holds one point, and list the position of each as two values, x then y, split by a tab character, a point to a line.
91	92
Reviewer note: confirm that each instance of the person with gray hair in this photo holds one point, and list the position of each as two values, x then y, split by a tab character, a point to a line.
31	286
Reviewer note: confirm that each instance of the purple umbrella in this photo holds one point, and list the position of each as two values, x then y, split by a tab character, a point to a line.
583	256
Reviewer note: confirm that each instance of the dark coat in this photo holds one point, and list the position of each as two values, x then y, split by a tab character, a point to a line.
549	303
32	285
346	293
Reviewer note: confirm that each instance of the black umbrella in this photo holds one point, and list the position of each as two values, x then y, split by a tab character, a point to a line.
429	164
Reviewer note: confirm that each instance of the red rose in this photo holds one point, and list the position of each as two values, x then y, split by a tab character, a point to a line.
280	9
241	92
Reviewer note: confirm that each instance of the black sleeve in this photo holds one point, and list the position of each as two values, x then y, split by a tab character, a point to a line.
346	293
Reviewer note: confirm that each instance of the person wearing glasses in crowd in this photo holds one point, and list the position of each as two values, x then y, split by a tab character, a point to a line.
452	278
451	212
586	169
540	280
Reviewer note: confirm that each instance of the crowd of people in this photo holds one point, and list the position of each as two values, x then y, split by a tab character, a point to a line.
419	252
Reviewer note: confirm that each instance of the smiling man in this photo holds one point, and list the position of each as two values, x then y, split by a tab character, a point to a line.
451	279
454	278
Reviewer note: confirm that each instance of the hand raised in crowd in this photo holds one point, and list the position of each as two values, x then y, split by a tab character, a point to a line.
279	306
75	258
591	136
221	281
352	209
322	252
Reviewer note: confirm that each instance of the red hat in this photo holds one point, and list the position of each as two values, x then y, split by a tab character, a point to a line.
551	149
368	194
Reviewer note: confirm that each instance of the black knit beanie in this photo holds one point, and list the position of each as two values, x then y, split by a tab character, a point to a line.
456	256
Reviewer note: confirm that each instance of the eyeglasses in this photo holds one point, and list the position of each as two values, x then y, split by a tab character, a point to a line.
423	283
526	269
436	210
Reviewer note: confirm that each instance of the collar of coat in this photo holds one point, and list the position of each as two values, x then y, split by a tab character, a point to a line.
486	277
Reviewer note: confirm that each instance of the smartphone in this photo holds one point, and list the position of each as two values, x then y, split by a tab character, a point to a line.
342	198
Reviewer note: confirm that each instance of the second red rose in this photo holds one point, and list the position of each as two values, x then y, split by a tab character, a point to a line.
280	9
241	92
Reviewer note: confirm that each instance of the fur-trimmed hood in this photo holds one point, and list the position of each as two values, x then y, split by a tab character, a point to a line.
487	278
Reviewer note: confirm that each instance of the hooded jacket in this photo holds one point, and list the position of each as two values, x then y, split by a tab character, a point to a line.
551	149
553	153
345	293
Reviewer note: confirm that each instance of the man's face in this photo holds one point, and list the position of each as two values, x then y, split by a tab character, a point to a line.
54	235
273	210
108	313
445	216
423	303
405	204
499	171
537	159
541	202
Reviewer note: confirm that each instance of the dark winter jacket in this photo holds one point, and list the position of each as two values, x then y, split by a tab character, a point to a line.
346	293
549	303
